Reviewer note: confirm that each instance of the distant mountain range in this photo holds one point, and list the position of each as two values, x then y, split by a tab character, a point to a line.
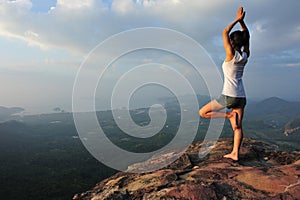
277	113
273	108
35	148
273	111
293	126
6	113
270	120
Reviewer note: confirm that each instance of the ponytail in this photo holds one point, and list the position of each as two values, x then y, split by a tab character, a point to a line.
246	37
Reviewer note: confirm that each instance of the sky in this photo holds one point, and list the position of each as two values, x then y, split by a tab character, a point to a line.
44	43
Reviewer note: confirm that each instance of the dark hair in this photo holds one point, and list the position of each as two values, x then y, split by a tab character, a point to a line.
239	38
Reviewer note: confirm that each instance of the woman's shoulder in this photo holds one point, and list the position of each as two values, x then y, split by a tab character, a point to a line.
238	57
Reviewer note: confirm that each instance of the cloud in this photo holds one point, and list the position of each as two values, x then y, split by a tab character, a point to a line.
293	64
67	25
74	4
122	7
77	26
80	25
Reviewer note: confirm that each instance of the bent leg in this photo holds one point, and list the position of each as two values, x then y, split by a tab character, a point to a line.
212	110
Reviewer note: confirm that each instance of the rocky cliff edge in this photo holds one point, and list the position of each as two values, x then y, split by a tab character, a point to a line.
263	172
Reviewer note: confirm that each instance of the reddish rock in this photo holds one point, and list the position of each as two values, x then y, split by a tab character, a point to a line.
212	177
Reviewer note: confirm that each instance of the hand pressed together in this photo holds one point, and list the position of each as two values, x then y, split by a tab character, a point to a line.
240	15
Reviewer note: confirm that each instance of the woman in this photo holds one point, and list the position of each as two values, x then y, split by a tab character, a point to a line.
233	95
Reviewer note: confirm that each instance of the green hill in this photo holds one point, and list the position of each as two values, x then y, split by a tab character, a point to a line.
295	123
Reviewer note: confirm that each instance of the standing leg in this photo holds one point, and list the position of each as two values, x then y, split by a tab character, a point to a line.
238	134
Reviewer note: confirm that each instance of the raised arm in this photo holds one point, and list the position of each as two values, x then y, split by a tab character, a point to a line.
227	45
247	37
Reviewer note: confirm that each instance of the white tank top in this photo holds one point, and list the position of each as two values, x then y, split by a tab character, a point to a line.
233	72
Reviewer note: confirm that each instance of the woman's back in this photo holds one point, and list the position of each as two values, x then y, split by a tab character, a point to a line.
233	72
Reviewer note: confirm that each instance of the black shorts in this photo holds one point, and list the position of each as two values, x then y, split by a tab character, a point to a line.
232	102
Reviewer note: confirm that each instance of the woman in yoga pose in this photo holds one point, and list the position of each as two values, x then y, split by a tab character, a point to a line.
233	96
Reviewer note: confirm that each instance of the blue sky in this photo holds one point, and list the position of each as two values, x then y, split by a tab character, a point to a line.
42	6
44	42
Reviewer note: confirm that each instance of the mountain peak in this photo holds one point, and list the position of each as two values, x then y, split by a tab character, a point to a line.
261	172
274	100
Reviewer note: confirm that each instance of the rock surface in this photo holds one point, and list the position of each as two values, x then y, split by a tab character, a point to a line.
261	173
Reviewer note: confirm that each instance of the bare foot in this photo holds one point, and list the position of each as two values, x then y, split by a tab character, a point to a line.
232	156
233	118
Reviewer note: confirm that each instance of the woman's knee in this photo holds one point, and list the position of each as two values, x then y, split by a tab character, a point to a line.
202	113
